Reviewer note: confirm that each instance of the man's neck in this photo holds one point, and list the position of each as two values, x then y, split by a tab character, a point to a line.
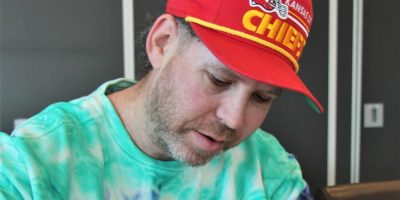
130	105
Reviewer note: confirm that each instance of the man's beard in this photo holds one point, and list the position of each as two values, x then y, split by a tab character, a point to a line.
162	118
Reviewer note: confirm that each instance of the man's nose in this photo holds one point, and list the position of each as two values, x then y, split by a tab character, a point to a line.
232	111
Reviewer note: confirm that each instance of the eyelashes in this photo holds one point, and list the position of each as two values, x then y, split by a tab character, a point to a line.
218	82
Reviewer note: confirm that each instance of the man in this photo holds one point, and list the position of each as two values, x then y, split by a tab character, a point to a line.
189	129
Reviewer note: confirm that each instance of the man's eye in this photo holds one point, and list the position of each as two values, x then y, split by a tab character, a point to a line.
262	99
219	82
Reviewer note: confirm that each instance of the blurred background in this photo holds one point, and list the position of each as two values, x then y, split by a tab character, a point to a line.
54	50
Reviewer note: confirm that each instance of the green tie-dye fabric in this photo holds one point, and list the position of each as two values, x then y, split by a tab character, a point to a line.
81	150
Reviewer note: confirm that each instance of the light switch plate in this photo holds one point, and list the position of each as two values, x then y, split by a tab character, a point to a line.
373	115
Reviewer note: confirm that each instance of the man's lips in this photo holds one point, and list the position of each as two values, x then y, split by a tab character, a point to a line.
215	138
207	142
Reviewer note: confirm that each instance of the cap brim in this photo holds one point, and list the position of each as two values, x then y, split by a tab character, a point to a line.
255	62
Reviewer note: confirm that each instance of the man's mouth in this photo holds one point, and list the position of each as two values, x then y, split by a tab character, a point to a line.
207	142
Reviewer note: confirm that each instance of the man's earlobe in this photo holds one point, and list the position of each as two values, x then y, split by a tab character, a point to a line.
160	39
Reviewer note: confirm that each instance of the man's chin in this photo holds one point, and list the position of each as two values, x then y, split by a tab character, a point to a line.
197	159
196	163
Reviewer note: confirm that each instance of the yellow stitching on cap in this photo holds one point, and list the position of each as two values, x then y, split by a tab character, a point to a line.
246	36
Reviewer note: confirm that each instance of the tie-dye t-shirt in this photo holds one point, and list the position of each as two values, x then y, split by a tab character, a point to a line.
81	150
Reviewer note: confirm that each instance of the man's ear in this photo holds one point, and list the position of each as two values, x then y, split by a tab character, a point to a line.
160	39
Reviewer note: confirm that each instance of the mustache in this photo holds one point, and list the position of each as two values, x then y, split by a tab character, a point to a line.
224	129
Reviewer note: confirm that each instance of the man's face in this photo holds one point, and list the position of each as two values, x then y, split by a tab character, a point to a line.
199	108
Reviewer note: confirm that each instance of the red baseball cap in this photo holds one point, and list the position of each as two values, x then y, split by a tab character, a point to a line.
260	39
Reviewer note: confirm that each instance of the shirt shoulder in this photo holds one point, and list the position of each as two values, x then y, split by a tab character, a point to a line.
61	117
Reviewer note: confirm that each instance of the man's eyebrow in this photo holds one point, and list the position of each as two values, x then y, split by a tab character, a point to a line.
276	92
224	70
272	90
